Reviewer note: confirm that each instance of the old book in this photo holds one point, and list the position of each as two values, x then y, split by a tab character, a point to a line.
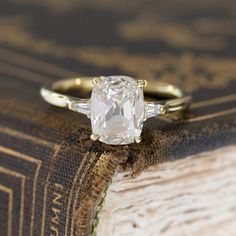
53	178
191	196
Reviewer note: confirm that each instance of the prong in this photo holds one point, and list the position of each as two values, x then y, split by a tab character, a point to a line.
138	139
142	83
94	137
97	80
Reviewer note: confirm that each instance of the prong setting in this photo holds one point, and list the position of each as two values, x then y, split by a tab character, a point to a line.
97	80
138	139
94	137
141	83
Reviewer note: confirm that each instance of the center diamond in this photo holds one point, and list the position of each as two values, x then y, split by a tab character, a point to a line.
117	110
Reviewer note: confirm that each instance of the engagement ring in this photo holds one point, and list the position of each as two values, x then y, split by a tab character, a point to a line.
117	108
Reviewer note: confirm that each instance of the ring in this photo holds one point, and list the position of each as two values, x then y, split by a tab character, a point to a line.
116	108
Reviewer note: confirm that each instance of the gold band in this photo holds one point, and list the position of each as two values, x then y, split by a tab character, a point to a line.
173	98
121	97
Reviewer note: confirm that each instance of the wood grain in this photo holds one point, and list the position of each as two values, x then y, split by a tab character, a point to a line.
192	196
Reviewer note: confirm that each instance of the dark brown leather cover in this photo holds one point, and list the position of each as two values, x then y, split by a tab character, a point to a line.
52	176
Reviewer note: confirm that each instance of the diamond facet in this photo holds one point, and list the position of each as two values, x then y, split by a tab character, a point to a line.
117	110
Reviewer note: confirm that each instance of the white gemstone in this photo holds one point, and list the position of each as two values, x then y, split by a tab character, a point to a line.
117	110
153	109
81	106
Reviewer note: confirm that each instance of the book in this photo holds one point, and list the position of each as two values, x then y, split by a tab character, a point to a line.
183	197
53	178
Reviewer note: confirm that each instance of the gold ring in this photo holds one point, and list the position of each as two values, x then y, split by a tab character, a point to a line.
117	108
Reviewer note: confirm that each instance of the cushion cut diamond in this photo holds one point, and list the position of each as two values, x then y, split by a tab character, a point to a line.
117	110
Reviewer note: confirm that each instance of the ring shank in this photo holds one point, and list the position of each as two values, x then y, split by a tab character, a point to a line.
174	98
83	83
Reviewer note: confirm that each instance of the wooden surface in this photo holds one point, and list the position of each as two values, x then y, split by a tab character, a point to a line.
192	196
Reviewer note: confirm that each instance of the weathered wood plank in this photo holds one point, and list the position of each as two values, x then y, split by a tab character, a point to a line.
192	196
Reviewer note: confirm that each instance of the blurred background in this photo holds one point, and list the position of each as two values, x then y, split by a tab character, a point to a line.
174	41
